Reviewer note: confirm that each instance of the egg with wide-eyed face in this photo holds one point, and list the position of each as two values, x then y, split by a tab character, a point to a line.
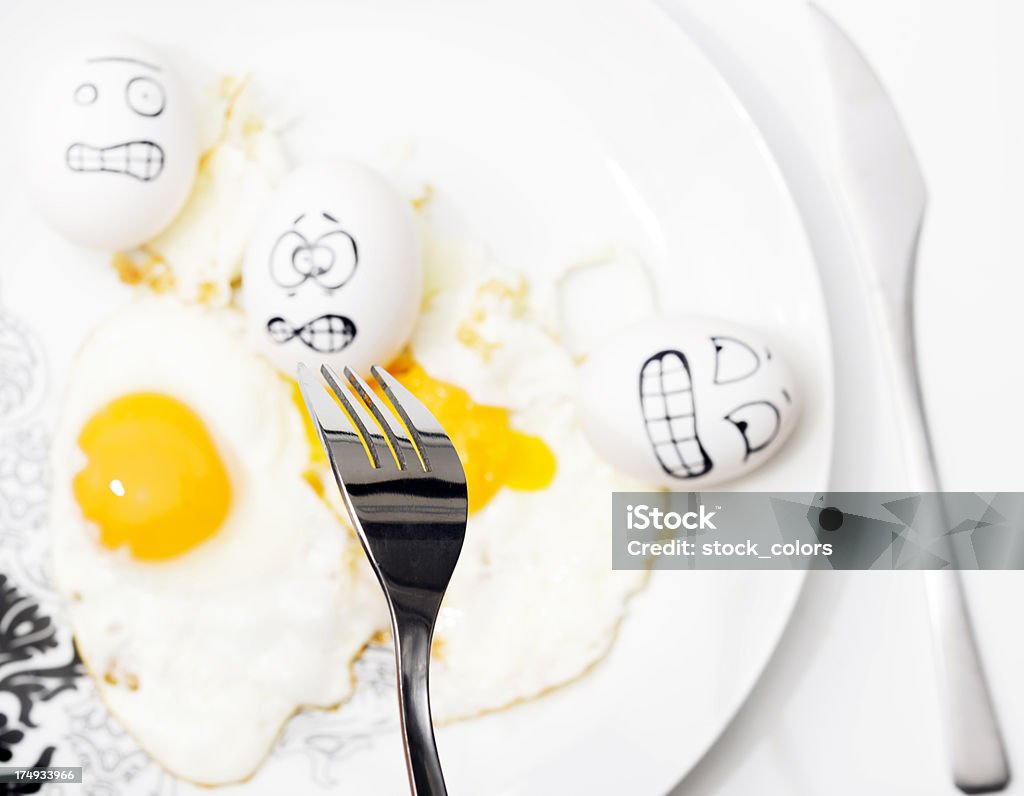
211	591
334	273
685	402
113	144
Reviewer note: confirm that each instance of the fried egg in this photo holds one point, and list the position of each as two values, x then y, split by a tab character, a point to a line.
533	603
211	591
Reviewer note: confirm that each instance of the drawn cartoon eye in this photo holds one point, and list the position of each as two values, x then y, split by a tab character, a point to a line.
86	94
145	96
758	422
734	360
338	268
291	260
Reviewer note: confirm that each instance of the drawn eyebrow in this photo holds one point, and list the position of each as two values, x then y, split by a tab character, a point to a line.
329	217
296	221
122	59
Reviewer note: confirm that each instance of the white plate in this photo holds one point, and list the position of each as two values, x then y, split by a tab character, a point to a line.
552	130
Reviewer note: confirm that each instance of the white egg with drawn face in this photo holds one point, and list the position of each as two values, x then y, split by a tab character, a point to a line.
113	147
686	402
334	272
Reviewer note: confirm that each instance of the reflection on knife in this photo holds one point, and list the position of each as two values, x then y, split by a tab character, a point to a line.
885	196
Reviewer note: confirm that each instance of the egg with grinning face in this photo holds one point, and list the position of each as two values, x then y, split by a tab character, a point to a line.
685	401
211	591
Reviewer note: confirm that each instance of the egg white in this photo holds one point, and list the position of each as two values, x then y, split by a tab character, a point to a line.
533	603
243	161
204	656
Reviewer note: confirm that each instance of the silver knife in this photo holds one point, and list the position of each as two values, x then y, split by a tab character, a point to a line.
885	197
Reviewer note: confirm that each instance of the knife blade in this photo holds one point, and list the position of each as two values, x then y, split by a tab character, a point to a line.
885	196
884	186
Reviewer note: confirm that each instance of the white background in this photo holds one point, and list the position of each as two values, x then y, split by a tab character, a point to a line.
848	705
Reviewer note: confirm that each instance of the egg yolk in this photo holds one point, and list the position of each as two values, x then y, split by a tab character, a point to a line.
153	480
493	453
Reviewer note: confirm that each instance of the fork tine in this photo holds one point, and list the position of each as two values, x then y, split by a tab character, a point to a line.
401	445
429	436
363	421
332	426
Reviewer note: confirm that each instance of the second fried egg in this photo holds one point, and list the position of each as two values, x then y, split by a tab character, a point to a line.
533	602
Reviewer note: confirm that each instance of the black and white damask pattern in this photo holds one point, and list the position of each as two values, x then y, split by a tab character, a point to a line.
327	739
22	371
24	492
37	661
24	476
35	667
112	763
24	452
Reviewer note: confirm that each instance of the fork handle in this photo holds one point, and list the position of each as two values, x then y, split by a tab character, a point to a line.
413	631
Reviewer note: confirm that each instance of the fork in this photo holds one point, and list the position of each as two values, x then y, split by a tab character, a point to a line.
405	491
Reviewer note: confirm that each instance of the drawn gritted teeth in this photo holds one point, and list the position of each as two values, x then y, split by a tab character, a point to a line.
143	160
326	334
666	399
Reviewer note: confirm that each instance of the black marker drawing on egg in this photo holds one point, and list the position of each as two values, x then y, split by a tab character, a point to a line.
668	405
734	360
141	159
670	415
758	423
328	259
326	334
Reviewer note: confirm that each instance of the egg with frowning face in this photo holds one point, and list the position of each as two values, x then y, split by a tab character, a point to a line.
210	590
334	272
685	402
113	146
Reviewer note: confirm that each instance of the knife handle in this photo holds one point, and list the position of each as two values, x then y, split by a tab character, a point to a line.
976	745
975	742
